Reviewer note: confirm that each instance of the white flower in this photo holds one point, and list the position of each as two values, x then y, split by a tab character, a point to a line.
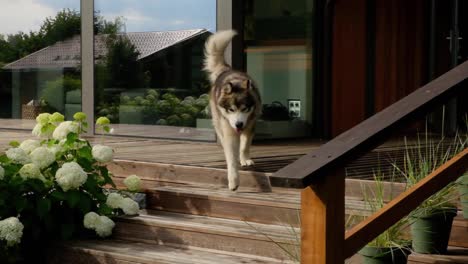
129	206
29	145
64	129
133	183
2	173
90	220
43	118
18	155
38	132
103	153
11	230
70	176
42	157
55	149
104	226
114	200
31	171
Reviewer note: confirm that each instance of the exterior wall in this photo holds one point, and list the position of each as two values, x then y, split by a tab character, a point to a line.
348	65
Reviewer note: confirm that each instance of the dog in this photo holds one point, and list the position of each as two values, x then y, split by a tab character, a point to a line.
235	105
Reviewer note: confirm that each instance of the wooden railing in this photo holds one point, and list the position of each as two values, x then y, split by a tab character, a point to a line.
321	174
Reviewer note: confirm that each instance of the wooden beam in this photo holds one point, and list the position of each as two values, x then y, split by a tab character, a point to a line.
403	204
322	220
353	143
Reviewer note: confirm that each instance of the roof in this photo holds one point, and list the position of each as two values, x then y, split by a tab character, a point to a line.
67	53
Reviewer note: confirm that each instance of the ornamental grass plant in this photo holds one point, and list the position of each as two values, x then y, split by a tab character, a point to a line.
53	188
391	246
427	155
431	221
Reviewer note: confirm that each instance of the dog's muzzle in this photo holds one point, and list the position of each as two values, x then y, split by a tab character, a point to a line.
239	126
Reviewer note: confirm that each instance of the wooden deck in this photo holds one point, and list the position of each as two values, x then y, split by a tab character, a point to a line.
268	155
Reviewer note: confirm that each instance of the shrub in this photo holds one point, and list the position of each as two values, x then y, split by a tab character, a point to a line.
53	188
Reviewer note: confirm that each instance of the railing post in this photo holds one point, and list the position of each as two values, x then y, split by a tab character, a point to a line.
322	220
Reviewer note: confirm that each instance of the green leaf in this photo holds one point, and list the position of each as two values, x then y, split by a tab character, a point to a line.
86	152
4	159
73	197
14	143
58	195
20	204
85	163
104	209
71	138
107	178
84	203
43	207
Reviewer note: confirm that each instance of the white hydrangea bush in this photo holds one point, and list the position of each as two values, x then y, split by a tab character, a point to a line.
56	184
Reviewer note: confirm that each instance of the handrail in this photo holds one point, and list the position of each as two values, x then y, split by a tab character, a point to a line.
404	203
371	132
321	174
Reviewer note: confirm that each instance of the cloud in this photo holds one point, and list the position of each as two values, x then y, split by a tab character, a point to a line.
22	15
178	22
132	18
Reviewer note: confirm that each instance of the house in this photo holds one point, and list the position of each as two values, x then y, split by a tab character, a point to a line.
334	64
170	53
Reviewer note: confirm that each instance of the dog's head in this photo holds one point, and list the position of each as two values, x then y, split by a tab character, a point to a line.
238	102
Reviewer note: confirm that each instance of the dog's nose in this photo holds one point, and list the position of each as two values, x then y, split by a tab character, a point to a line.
239	124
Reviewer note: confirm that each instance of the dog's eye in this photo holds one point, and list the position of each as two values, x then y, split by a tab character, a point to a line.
245	110
230	110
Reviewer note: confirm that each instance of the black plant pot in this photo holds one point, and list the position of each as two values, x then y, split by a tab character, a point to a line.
385	255
431	232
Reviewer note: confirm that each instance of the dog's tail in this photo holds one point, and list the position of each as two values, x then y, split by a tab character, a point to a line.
214	53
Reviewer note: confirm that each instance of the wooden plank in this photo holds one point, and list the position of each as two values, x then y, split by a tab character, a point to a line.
365	136
402	205
322	220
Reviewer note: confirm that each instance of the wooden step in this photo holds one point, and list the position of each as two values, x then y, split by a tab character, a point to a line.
459	233
158	174
127	252
277	207
454	255
208	232
261	207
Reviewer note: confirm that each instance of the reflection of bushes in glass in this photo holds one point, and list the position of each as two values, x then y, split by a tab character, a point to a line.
168	109
53	92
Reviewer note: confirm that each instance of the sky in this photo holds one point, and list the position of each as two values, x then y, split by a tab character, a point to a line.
138	15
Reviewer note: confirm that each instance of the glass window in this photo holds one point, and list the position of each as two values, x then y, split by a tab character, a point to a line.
148	67
278	50
39	60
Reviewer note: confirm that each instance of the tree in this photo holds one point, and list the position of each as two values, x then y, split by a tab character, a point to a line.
124	69
65	24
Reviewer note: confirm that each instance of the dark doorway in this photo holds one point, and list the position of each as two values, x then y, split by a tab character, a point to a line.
448	48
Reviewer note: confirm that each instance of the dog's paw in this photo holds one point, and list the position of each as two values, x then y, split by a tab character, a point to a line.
247	162
233	187
233	182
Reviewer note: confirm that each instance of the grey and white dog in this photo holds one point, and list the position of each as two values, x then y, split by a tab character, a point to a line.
235	105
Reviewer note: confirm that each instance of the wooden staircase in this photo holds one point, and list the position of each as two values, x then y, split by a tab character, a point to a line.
191	217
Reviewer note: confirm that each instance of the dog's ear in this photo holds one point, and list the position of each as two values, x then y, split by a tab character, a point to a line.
227	89
247	84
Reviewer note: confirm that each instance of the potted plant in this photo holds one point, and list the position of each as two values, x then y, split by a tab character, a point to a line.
431	222
390	247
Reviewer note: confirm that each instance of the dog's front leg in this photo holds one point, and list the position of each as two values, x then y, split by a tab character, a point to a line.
245	142
231	151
